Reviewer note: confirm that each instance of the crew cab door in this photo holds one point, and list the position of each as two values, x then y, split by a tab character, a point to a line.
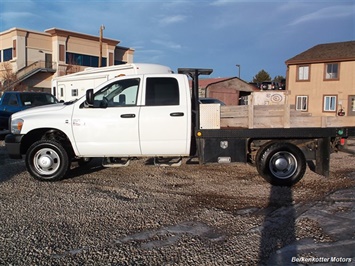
165	117
109	128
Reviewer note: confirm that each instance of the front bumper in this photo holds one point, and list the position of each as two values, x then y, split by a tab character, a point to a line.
13	145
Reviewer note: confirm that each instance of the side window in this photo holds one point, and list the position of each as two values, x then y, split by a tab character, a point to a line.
6	99
119	93
330	103
74	92
331	71
13	100
162	91
303	73
302	103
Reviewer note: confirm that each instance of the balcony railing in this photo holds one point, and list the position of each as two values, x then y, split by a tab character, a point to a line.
30	70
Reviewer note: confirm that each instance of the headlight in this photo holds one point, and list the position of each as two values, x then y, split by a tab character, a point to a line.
16	126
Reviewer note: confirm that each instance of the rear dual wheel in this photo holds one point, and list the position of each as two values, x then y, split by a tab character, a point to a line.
281	163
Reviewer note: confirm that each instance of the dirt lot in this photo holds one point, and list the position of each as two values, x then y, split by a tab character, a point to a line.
148	215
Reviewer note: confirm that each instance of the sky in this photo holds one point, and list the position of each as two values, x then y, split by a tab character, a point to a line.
216	34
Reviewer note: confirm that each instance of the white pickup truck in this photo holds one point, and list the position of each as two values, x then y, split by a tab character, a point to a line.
157	115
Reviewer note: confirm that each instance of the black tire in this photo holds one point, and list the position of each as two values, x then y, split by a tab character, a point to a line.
47	160
281	164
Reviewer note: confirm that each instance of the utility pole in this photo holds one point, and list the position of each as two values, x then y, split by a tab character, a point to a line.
102	27
238	66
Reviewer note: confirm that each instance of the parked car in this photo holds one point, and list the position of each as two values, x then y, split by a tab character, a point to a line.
211	100
273	85
15	101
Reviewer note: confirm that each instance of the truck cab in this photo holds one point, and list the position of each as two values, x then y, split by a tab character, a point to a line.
130	116
133	116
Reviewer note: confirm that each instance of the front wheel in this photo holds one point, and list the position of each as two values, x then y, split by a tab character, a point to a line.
47	160
281	164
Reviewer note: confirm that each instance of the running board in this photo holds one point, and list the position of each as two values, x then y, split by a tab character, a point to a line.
162	161
115	162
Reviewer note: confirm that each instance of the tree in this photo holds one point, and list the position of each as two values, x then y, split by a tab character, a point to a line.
279	78
8	79
262	76
7	76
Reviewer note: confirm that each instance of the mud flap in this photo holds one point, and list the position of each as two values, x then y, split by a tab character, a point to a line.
323	157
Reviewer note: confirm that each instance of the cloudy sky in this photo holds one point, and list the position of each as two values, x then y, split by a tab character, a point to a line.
217	34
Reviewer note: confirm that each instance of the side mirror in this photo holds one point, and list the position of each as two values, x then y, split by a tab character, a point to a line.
90	97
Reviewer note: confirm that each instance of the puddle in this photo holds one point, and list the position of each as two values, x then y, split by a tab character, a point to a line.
169	235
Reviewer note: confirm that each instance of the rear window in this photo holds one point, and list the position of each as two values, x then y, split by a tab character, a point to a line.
162	91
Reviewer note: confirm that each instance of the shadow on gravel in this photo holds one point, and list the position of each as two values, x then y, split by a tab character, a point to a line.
10	168
278	228
93	166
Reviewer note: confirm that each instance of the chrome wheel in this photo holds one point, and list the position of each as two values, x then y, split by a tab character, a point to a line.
46	161
283	164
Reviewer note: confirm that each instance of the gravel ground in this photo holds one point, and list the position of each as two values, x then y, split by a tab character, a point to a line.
148	215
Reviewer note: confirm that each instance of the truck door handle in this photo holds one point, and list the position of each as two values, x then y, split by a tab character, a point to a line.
177	114
128	116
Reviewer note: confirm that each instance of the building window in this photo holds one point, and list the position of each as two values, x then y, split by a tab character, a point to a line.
14	48
61	52
118	62
111	61
353	104
330	103
303	73
84	60
332	71
7	54
302	103
74	92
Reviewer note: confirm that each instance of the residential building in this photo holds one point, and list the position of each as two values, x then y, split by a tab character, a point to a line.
321	80
30	59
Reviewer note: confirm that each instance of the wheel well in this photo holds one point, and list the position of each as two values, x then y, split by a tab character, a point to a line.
307	146
49	134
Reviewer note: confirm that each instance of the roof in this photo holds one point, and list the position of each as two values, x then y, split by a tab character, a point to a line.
65	33
232	83
328	52
203	83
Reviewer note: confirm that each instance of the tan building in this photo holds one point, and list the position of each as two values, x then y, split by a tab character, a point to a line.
30	59
322	79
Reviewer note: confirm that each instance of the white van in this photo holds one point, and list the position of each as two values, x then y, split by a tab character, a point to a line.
73	86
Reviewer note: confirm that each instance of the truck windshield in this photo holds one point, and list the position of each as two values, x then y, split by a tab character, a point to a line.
37	99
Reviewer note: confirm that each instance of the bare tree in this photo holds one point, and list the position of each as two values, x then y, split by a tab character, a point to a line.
7	76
